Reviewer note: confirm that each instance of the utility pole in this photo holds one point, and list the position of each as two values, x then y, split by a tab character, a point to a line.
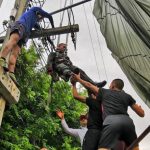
1	2
50	32
9	93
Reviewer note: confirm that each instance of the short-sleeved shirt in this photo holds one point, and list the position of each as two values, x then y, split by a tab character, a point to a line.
115	102
95	114
30	18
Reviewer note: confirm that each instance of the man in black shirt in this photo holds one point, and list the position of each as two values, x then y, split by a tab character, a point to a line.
94	124
117	124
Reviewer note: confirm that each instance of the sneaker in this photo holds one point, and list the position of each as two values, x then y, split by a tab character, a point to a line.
101	84
3	64
76	70
12	76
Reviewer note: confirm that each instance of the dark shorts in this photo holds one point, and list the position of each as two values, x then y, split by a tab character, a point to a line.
117	127
20	29
91	139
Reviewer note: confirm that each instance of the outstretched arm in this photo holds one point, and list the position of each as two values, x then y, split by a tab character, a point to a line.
73	132
76	94
86	84
138	110
44	14
37	26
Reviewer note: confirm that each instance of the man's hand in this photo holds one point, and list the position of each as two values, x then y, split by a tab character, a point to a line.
76	77
60	114
73	81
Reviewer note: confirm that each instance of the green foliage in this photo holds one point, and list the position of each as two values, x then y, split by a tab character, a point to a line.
32	123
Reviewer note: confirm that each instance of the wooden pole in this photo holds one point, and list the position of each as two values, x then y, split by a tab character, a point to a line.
1	2
2	108
8	91
50	32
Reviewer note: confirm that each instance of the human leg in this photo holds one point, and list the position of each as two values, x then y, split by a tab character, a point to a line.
13	58
63	71
129	135
112	129
14	38
91	139
85	77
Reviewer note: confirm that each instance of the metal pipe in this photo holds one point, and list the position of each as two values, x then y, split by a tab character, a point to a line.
70	6
146	131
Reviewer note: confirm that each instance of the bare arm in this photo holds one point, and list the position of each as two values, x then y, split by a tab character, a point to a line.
44	14
138	110
76	94
86	84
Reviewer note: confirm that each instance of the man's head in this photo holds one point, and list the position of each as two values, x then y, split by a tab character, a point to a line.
61	47
83	120
116	84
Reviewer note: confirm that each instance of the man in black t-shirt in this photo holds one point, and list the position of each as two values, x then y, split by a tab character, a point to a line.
94	124
117	124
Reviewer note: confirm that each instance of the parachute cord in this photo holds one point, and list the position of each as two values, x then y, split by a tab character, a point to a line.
72	32
101	53
61	21
91	41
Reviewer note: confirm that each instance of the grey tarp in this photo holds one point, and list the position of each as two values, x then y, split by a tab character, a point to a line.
125	25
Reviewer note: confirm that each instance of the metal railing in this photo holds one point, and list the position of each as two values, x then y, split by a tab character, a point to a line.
139	139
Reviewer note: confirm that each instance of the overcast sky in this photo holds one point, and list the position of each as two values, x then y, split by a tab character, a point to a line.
91	54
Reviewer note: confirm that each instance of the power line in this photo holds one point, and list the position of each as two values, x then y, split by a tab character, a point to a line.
91	41
99	45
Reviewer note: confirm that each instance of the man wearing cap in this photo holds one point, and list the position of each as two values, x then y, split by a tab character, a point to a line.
78	133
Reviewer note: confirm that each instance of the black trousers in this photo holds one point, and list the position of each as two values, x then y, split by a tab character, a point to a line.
91	139
117	127
83	75
66	70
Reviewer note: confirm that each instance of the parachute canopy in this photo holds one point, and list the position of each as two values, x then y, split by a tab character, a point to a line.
125	25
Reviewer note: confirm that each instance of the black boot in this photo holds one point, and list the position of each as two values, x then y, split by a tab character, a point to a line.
76	70
101	84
